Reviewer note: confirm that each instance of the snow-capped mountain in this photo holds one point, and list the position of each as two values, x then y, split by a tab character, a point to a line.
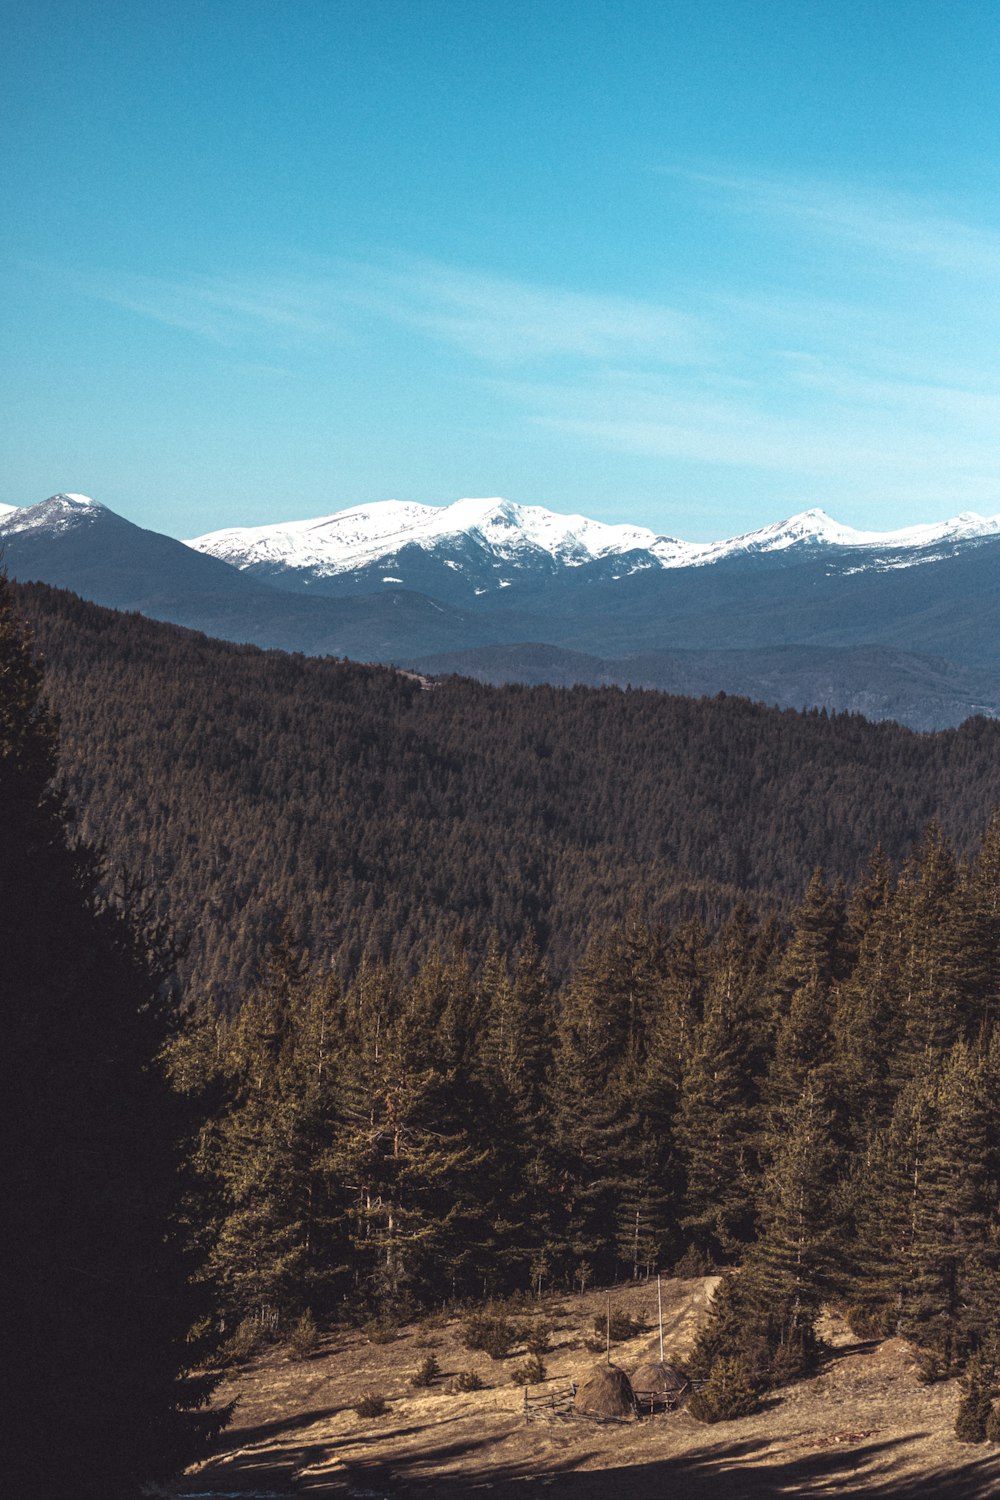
55	514
73	542
814	528
491	544
362	534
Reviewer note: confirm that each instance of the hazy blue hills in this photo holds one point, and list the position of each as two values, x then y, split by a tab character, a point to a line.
877	681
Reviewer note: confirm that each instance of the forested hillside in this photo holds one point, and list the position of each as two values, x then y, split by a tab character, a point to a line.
821	1107
559	1046
381	814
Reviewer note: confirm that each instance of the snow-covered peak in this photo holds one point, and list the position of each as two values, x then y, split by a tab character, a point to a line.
353	538
519	535
54	514
814	528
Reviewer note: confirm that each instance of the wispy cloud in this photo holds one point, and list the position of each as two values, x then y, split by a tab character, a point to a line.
901	226
226	310
839	432
504	321
490	318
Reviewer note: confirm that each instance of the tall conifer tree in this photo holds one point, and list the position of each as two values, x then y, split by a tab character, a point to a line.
101	1396
278	1239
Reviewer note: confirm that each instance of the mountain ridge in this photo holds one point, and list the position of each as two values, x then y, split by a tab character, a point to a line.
791	615
343	539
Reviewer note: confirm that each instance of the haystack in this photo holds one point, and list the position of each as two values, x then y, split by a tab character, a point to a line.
607	1393
659	1382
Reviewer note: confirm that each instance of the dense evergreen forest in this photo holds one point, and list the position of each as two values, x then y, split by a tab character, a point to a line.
383	816
821	1106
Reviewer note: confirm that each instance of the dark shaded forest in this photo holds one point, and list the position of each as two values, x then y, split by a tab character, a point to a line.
99	1332
384	816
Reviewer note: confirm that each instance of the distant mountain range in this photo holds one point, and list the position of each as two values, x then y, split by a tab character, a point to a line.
462	551
807	612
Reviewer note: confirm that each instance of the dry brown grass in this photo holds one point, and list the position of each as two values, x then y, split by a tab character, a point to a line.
864	1426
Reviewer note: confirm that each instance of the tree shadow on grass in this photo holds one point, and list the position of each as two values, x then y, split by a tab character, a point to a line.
718	1472
236	1434
443	1470
265	1464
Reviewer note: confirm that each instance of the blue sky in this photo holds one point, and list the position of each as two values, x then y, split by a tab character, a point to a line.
696	266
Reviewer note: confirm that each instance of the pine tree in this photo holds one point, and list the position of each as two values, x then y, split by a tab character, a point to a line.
929	904
818	947
866	1028
101	1294
953	1260
650	1229
885	1196
761	1328
802	1045
980	937
794	1262
868	900
513	1062
716	1127
975	1409
278	1241
596	1156
410	1153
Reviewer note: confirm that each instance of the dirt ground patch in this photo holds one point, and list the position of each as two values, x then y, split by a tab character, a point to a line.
862	1426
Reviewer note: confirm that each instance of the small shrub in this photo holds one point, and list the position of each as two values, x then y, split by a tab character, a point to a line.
538	1339
729	1392
868	1320
693	1262
304	1339
380	1331
622	1326
518	1301
529	1372
427	1372
930	1367
993	1425
468	1380
493	1334
371	1404
596	1346
791	1360
243	1344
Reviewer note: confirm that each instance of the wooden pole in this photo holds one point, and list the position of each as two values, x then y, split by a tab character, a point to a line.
659	1310
609	1328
